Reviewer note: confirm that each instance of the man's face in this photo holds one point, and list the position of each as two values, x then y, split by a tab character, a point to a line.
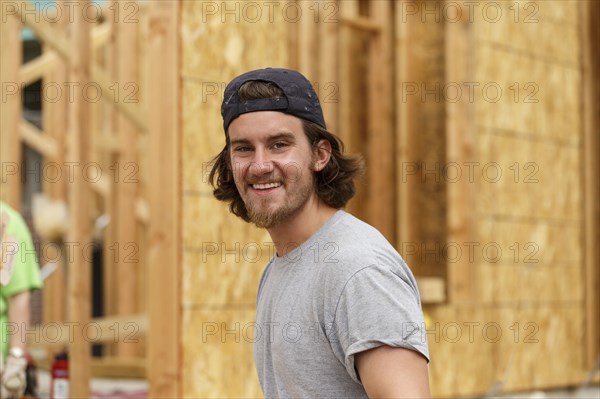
272	165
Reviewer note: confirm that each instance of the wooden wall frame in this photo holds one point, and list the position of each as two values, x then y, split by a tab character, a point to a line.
590	35
165	243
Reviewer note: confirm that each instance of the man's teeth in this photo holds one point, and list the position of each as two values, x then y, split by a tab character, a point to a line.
265	186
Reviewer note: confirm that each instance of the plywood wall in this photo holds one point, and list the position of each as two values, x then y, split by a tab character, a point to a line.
522	327
223	256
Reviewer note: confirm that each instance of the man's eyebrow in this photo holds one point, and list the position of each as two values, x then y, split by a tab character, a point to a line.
240	141
282	135
277	136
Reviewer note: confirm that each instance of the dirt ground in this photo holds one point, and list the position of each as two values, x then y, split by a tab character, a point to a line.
138	389
590	392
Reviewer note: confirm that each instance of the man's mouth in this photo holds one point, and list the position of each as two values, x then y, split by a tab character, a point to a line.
265	186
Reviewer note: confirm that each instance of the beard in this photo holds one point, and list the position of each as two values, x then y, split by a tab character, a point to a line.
266	215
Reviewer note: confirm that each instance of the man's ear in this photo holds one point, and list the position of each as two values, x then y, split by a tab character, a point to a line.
322	154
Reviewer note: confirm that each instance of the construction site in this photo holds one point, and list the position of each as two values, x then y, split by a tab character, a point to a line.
478	122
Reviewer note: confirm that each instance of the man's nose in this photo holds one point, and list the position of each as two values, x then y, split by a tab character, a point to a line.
261	164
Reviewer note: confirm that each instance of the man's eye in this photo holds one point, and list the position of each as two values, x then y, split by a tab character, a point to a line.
242	149
279	144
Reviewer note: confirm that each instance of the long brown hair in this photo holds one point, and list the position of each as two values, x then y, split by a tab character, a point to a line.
334	184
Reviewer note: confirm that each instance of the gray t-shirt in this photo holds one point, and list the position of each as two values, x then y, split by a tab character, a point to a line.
343	291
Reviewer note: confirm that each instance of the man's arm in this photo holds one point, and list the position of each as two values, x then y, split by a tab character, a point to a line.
19	314
388	372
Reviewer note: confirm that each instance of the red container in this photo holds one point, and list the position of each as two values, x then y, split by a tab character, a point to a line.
59	388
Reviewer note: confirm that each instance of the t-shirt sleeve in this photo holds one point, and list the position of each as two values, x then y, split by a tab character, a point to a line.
26	274
378	306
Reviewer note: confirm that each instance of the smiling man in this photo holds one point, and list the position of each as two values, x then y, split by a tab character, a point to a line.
338	311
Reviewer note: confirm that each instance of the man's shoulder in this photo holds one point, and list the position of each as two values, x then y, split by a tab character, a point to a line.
355	237
352	245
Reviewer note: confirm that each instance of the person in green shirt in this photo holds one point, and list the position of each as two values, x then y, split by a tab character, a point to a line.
19	275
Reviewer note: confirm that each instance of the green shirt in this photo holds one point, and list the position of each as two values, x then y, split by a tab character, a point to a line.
26	272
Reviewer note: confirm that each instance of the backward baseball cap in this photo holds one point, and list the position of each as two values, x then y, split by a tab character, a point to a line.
299	98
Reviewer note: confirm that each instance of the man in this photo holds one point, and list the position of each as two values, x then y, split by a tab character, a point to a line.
19	276
338	310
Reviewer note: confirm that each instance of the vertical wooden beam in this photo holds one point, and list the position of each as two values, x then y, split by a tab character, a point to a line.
164	258
294	43
590	35
307	42
348	9
110	264
328	61
79	267
380	122
459	149
55	125
126	182
405	66
10	106
352	99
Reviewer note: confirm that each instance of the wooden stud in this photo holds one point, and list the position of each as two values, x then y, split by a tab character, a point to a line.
590	34
126	182
459	148
110	264
351	99
79	268
405	66
328	63
380	123
307	45
164	259
348	10
10	112
54	69
293	42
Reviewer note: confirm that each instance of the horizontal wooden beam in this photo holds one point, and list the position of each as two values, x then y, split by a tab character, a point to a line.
101	35
108	367
101	186
36	68
361	23
36	139
142	211
98	330
432	289
129	110
45	32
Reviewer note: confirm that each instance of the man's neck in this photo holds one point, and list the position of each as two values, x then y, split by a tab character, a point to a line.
293	232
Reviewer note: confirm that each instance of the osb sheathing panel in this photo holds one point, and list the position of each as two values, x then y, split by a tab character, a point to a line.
527	95
473	348
462	361
545	29
523	176
219	44
220	365
542	350
223	256
540	179
531	212
527	260
203	136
